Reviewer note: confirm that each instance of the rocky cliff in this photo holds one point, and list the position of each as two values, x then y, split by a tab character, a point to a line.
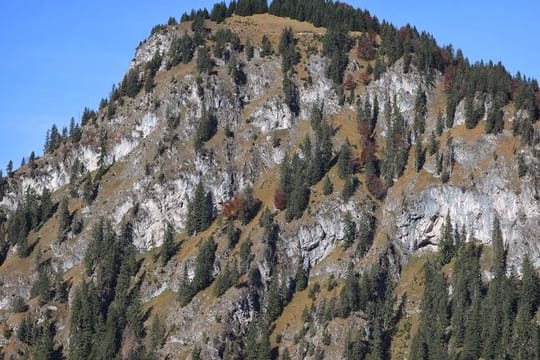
149	169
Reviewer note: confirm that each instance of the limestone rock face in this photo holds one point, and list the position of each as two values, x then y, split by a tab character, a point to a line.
147	169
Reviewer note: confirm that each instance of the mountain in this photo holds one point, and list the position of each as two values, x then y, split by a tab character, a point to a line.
293	181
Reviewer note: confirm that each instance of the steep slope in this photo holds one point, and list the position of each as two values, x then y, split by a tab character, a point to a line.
141	160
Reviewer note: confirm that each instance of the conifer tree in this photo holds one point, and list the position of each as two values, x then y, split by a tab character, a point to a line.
64	220
168	249
499	252
204	64
204	266
345	161
301	278
429	342
206	129
350	300
350	231
266	47
420	155
420	111
447	248
199	214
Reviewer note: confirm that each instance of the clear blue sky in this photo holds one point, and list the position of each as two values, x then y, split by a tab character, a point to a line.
59	56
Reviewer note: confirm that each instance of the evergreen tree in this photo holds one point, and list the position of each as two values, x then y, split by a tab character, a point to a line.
206	129
185	289
499	252
250	51
467	289
447	248
181	51
219	12
350	231
199	214
45	206
336	45
266	47
287	48
9	169
301	278
204	266
350	300
420	111
64	220
168	249
345	161
226	279
274	302
204	64
430	342
420	155
495	121
130	85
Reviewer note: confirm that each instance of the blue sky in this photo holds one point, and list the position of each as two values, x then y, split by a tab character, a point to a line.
59	56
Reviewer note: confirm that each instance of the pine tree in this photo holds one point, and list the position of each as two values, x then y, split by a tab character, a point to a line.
447	248
429	342
206	129
9	169
199	214
301	278
495	121
250	51
345	161
420	111
204	266
499	252
274	302
204	64
168	249
219	12
350	231
266	47
185	289
45	206
349	297
420	155
64	220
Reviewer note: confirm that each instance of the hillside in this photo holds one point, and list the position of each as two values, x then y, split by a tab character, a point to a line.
263	187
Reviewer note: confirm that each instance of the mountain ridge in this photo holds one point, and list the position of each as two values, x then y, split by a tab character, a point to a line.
131	157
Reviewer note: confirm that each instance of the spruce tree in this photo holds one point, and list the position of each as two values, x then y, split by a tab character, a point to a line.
345	161
429	342
266	47
349	297
168	249
420	155
420	111
204	266
350	231
204	64
447	248
301	278
64	220
199	214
